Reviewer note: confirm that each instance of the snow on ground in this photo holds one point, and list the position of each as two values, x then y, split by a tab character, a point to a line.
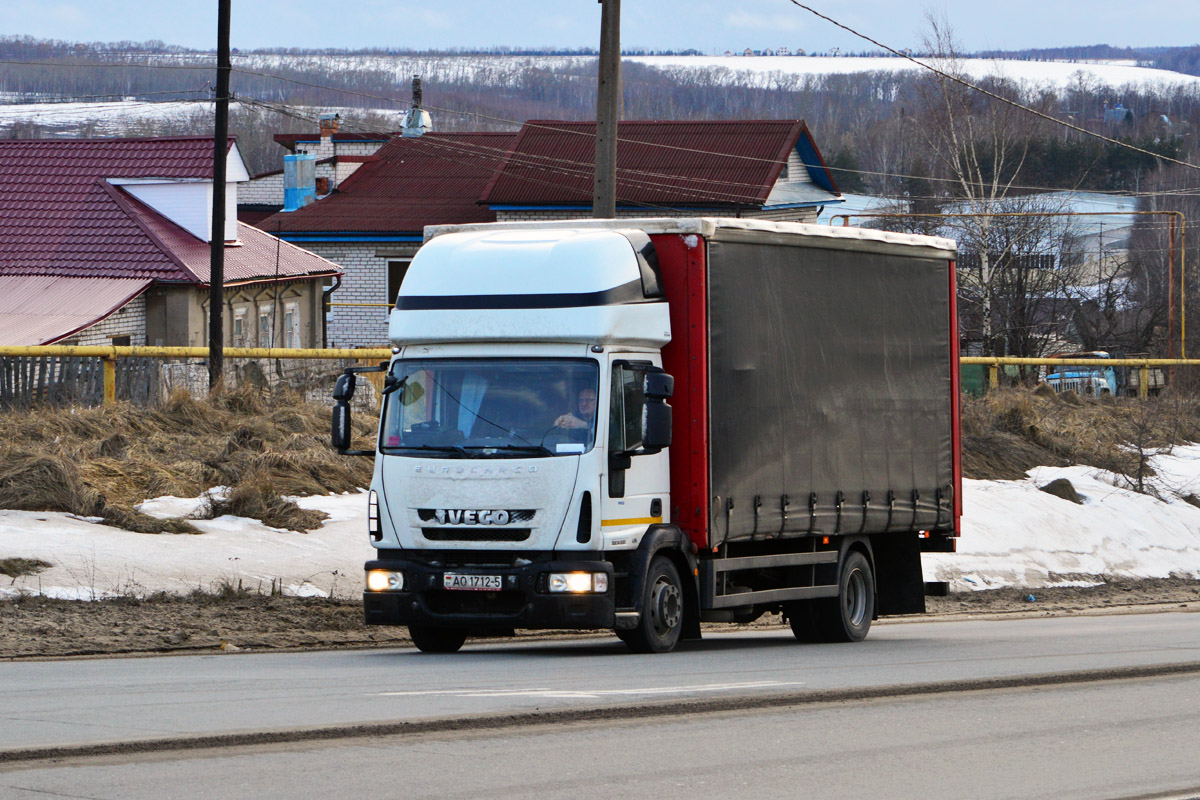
1013	535
92	561
755	71
1039	73
113	116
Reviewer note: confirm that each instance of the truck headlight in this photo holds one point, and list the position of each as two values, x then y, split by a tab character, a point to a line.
579	582
382	580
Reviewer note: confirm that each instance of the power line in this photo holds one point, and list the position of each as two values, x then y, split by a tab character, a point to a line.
993	95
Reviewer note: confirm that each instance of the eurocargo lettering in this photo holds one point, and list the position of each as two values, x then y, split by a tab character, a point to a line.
645	424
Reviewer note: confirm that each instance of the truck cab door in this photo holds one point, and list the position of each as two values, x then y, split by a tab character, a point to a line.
635	490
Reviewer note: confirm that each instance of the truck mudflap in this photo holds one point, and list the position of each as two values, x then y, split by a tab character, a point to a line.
462	597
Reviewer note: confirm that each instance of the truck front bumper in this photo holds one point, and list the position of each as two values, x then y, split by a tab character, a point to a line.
523	601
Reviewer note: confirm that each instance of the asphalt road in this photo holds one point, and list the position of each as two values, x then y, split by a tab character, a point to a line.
136	699
1120	739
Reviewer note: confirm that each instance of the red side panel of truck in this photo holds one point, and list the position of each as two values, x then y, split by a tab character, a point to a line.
681	261
955	410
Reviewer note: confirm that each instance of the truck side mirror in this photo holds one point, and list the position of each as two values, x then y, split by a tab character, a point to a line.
658	386
340	435
343	390
656	425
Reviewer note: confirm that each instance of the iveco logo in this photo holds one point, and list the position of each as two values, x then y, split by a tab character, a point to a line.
455	516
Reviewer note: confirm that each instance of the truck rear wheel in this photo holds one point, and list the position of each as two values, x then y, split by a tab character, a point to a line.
431	639
847	617
661	622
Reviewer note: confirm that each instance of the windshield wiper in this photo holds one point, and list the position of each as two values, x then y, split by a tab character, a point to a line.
434	448
538	449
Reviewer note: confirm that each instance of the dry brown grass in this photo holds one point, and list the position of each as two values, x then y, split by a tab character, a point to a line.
16	567
1009	431
103	461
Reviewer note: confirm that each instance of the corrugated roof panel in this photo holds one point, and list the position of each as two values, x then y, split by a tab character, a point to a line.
42	309
409	184
677	163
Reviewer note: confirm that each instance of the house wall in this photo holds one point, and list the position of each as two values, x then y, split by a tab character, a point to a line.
268	189
364	286
327	148
188	204
128	320
177	316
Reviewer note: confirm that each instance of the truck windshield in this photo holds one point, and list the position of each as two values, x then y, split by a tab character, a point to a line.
490	408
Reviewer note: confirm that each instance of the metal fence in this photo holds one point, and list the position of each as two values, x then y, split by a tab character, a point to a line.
145	376
62	375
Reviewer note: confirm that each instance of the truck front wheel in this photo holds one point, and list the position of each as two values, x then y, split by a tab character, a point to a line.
431	639
847	617
661	622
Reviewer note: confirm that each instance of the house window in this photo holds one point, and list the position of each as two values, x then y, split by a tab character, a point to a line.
120	341
291	325
239	327
265	339
396	271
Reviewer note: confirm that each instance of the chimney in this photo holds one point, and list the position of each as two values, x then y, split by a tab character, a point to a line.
299	180
329	126
417	121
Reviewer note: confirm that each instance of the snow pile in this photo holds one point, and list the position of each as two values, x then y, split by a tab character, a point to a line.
1013	535
92	561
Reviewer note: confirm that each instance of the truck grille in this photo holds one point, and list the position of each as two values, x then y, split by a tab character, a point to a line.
476	534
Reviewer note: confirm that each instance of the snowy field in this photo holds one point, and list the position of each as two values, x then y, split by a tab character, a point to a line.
755	71
119	117
1035	73
1013	535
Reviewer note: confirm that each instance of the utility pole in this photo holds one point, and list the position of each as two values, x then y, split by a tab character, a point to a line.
608	99
216	282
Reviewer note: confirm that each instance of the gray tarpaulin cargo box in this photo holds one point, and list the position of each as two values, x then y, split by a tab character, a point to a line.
830	385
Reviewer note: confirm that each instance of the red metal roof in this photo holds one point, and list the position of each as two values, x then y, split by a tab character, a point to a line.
410	183
257	256
676	163
289	140
41	309
59	215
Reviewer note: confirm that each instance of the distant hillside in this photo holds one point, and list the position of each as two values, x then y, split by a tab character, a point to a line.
1185	60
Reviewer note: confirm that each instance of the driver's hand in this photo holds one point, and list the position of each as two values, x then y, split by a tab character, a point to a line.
569	421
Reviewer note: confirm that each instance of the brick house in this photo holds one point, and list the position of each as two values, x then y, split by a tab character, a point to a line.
107	241
338	154
373	223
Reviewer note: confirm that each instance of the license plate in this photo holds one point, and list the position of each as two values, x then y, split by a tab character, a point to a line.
477	583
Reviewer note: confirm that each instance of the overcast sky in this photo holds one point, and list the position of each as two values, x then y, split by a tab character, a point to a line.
706	25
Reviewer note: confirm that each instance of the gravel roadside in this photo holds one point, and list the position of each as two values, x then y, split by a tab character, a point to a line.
39	627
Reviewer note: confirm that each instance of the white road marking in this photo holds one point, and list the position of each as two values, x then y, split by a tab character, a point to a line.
593	694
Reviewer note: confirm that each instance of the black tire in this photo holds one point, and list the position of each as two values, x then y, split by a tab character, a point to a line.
661	622
431	639
847	617
802	616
